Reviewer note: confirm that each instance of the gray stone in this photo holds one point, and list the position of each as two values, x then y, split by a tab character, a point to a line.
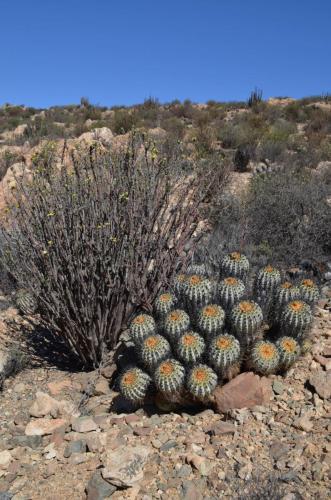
321	381
33	442
124	467
184	471
5	495
168	445
84	424
78	446
278	450
99	489
278	387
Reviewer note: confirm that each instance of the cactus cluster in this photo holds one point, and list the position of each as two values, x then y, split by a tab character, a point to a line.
25	302
206	330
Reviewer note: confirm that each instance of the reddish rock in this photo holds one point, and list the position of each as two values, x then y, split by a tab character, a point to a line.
60	386
219	428
245	391
321	381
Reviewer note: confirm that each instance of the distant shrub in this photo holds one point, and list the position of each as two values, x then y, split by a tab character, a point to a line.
94	243
7	159
124	121
254	98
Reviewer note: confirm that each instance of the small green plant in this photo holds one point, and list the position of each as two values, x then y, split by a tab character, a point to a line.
141	327
197	291
164	303
176	323
246	317
309	291
289	351
201	381
230	291
153	350
296	318
211	320
267	279
190	348
224	352
169	376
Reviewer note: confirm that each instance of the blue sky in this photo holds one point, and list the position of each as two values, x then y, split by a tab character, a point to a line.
122	51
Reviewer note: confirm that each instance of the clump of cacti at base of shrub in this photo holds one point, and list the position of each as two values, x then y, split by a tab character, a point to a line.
25	302
187	350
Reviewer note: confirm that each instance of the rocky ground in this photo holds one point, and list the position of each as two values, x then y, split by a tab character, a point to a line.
67	435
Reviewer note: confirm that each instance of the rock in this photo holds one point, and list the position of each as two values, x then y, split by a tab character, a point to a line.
33	442
44	426
278	387
102	387
78	446
168	445
109	370
103	135
191	491
99	489
19	387
203	465
5	459
304	423
245	391
84	424
124	467
185	471
46	405
278	450
245	471
221	428
56	388
321	381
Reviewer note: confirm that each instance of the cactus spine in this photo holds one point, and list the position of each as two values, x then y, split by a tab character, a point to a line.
223	352
199	269
153	350
25	302
179	285
235	264
201	381
211	320
296	318
169	376
309	291
265	357
289	351
245	318
231	290
190	347
176	323
141	327
134	384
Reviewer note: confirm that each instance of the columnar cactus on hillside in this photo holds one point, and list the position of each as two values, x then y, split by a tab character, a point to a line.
185	351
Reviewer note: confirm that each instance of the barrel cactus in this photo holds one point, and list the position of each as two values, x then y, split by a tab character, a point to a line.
190	347
153	350
235	264
164	303
201	381
267	279
223	352
265	357
169	376
25	302
309	291
289	351
245	319
296	318
141	327
199	269
179	284
134	384
176	323
197	291
210	320
284	293
230	291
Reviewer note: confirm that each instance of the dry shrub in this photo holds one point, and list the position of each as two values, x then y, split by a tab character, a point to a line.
95	243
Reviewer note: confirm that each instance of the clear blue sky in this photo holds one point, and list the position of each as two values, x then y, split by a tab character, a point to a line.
122	51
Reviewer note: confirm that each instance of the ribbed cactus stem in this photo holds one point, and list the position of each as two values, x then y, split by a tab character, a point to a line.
25	302
141	327
134	384
176	323
211	320
179	285
264	357
283	293
197	291
230	291
201	381
169	377
223	351
289	351
164	303
296	318
267	279
190	347
153	350
245	318
199	269
234	264
309	291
